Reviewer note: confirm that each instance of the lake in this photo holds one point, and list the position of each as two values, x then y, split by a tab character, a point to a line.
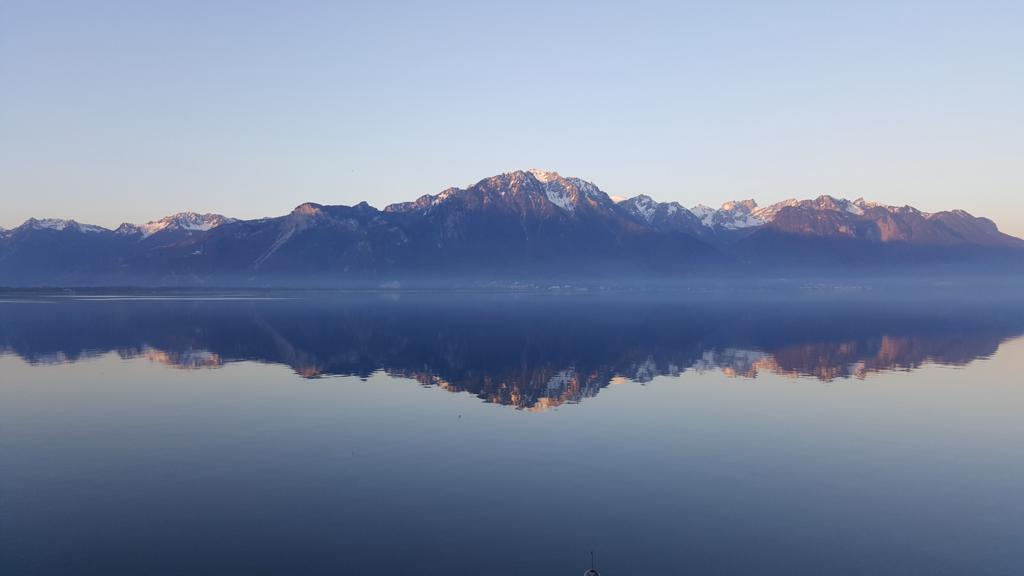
403	433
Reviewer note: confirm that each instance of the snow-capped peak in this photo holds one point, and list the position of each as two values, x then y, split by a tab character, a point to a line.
444	195
543	175
127	229
60	224
853	209
190	221
865	204
644	206
559	197
733	215
567	192
823	202
739	205
702	211
768	213
47	223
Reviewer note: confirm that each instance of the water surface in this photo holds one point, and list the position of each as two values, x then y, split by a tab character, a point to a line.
466	434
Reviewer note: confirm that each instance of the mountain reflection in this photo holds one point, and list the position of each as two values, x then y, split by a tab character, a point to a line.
527	352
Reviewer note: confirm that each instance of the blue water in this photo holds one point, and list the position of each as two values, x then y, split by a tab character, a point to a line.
472	434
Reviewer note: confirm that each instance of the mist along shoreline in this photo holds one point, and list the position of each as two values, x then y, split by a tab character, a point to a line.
898	288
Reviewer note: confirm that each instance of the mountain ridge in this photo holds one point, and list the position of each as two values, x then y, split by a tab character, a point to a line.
563	192
515	224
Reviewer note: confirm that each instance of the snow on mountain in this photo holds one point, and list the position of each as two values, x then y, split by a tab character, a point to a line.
821	203
826	202
189	221
864	204
661	216
644	206
90	228
181	221
566	193
737	215
548	195
529	222
704	213
127	229
860	205
768	213
61	225
543	175
558	196
746	214
525	189
48	224
444	195
734	215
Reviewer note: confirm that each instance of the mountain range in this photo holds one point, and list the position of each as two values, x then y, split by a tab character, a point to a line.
515	226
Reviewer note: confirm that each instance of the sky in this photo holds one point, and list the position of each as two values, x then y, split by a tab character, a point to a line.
129	111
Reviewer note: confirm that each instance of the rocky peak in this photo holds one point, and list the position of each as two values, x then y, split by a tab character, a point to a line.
187	221
733	215
60	225
743	206
127	229
521	190
641	206
307	209
543	175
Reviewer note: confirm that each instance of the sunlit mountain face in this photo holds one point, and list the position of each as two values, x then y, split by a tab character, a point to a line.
528	352
526	225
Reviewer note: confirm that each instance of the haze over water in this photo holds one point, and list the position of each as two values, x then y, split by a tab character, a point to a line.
509	434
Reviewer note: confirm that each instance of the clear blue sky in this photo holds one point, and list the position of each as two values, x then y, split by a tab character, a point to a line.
128	111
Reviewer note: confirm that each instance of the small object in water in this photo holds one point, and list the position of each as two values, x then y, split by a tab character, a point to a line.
592	572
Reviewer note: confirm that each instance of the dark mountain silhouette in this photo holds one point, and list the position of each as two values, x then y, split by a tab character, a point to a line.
522	225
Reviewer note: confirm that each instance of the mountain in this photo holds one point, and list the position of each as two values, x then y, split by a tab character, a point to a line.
663	216
735	215
179	225
833	233
828	216
59	225
65	252
535	221
520	225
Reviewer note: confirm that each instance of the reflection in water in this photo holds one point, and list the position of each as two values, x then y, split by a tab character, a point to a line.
184	358
531	353
131	467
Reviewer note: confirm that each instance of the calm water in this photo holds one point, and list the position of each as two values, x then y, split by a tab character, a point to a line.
469	434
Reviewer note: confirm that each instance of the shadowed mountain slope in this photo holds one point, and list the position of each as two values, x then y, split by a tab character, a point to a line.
523	225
